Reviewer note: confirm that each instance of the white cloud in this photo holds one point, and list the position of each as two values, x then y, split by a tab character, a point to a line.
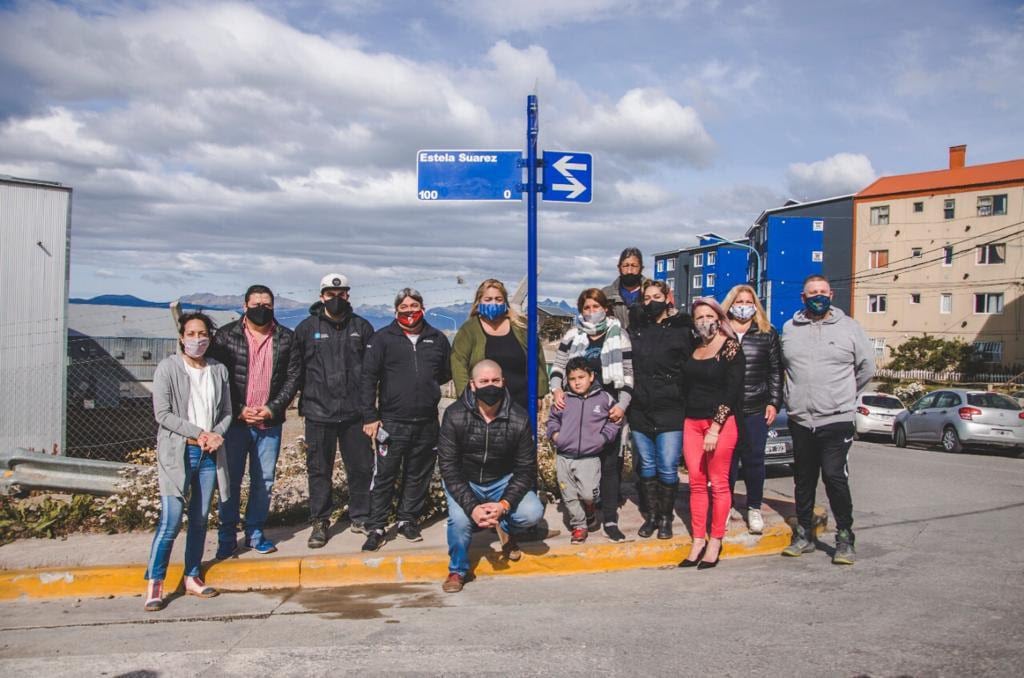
505	17
836	175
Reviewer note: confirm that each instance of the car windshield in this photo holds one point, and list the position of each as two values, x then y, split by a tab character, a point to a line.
996	400
888	402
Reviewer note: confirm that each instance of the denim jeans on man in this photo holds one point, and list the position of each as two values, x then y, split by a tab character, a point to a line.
202	481
461	527
260	447
659	456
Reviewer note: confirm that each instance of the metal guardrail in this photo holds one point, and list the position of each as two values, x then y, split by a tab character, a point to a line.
22	471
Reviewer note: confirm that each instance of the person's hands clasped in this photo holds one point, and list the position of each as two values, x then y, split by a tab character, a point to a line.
255	415
209	441
710	440
487	515
559	398
616	414
769	414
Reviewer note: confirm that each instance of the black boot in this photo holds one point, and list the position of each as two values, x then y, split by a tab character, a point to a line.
666	509
647	488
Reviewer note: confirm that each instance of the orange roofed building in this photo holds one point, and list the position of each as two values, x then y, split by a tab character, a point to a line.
942	253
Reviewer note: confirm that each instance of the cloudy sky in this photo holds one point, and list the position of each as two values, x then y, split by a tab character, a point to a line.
211	145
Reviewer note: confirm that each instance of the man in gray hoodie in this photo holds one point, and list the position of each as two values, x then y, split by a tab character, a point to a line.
828	361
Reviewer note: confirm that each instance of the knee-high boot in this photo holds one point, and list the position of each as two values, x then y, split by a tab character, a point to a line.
666	508
647	488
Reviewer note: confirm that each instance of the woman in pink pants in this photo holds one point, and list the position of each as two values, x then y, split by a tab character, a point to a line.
714	392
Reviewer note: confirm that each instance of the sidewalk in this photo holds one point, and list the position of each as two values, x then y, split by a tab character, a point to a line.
98	565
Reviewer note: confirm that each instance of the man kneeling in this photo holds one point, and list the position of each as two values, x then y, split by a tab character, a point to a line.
488	461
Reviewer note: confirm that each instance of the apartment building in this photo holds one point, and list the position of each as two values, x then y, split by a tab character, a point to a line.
710	269
942	253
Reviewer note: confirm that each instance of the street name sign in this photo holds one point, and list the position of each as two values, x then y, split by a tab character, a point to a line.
568	177
469	175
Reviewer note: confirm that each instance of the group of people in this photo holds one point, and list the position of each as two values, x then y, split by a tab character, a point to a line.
704	385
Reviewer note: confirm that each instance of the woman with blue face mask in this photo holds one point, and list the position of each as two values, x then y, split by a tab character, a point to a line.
497	331
600	338
762	394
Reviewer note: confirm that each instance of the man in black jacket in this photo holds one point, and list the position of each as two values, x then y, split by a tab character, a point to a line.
488	462
403	369
264	369
332	341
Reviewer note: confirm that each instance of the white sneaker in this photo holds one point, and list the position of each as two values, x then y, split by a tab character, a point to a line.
755	521
735	515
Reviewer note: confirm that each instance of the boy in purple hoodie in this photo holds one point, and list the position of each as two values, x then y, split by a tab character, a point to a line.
580	431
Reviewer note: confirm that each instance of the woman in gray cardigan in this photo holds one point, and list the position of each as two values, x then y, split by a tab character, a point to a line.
192	405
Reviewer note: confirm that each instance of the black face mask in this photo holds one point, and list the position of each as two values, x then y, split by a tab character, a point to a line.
259	315
654	308
631	280
490	395
338	307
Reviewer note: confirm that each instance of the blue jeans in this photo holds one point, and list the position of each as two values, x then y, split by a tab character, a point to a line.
750	453
260	447
659	456
202	481
461	527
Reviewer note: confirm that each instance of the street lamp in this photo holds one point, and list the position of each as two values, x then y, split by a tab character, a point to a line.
455	326
757	277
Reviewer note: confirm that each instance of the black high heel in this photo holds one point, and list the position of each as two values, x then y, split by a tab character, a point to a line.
686	562
707	565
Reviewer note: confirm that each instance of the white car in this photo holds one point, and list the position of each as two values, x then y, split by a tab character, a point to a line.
876	413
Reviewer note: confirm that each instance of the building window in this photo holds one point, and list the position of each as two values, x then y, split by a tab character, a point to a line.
880	215
989	351
990	205
697	281
947	255
946	303
879	345
711	279
698	260
661	266
671	264
992	254
818	225
876	303
919	207
711	258
672	284
915	252
817	256
878	258
988	303
915	298
949	208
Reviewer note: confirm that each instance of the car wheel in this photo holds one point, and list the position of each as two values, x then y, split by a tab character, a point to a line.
899	436
951	441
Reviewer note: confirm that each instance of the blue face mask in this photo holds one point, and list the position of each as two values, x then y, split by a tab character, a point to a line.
818	304
492	311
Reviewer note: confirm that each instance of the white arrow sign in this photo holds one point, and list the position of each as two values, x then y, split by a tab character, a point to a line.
568	177
566	168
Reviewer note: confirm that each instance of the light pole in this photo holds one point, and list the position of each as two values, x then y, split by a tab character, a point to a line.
757	277
455	327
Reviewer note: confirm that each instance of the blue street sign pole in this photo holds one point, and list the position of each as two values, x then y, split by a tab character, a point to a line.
532	129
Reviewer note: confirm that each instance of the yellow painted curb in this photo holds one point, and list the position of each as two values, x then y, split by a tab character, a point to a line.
323	571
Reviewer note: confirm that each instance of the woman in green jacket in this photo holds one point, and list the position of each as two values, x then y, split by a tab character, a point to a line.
496	331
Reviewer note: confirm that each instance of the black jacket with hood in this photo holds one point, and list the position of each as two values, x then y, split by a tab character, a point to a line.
659	352
402	380
332	355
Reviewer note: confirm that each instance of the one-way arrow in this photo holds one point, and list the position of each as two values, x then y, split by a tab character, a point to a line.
574	179
566	168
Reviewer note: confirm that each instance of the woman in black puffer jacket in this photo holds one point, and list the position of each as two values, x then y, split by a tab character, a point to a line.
762	394
662	340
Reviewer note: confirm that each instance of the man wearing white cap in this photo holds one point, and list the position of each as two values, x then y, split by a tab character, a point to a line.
332	341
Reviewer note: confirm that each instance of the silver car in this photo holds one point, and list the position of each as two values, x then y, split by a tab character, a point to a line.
956	418
876	413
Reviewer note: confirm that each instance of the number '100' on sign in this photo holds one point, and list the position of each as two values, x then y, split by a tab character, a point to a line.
469	175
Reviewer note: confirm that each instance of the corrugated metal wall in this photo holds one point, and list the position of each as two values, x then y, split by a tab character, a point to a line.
34	230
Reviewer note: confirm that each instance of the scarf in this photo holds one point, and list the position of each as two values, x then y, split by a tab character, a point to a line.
612	371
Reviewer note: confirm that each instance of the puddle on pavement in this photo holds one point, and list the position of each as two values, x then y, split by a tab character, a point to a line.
361	602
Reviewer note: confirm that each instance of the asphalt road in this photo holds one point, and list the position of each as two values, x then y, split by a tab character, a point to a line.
938	590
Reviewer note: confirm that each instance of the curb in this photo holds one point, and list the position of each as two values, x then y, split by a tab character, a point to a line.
323	571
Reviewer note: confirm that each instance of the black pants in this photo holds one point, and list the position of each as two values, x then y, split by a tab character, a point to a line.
611	478
321	445
822	450
410	454
753	434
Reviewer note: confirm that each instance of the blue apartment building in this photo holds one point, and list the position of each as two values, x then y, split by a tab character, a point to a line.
709	269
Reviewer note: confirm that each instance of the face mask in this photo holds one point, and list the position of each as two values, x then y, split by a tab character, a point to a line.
259	315
410	318
195	348
630	280
492	311
818	304
338	306
490	395
595	318
742	312
707	329
593	324
655	308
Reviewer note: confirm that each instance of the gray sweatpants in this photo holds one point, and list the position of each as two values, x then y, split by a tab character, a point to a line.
580	481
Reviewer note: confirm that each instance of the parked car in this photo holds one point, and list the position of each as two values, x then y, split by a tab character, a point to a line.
956	418
779	448
876	413
1019	395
